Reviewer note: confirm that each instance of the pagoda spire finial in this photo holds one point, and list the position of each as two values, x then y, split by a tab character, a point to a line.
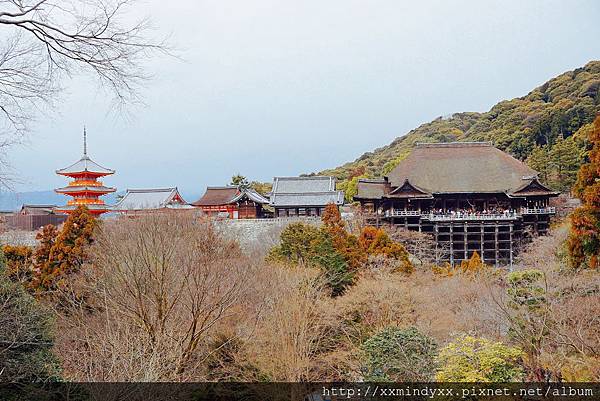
84	141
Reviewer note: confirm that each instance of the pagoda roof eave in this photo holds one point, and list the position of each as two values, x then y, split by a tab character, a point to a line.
82	173
91	207
89	189
85	165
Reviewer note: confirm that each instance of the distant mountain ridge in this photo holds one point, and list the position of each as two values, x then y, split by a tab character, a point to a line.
10	201
561	108
14	200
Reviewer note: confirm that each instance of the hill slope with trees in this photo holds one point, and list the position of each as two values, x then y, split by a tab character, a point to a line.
546	128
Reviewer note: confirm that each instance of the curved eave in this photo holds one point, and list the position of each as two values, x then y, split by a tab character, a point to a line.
208	204
415	187
150	209
407	196
75	174
92	208
85	165
85	190
367	198
253	196
526	194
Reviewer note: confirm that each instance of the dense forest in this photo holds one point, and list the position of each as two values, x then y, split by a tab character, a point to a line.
546	128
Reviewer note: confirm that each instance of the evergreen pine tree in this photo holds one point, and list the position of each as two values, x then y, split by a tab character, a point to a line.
539	160
565	160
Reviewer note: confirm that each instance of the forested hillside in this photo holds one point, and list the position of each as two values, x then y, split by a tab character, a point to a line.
547	128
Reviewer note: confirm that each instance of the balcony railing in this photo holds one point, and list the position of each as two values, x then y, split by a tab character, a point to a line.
543	210
471	216
401	213
505	215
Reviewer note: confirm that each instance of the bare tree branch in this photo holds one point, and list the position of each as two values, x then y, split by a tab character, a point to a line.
47	40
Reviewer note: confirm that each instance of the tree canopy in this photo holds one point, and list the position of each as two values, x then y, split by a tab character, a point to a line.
584	240
471	359
545	127
396	354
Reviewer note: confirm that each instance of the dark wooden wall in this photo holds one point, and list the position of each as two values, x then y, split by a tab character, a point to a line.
32	222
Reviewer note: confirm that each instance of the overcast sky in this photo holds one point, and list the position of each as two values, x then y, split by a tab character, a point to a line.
288	87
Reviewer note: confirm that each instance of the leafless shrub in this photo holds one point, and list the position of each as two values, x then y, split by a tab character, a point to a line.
437	306
161	287
544	252
296	330
356	220
459	304
568	344
381	263
572	345
377	300
421	246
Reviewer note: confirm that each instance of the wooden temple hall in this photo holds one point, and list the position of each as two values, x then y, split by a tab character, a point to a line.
468	196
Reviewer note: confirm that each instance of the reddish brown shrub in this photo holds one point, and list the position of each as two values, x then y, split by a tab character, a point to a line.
19	262
584	240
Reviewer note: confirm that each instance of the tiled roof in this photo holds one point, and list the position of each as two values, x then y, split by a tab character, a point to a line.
533	188
303	184
461	167
371	189
148	199
85	164
309	199
252	195
305	191
37	209
215	196
226	195
92	188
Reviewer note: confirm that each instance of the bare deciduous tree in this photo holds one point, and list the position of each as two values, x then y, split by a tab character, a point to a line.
46	40
420	246
163	285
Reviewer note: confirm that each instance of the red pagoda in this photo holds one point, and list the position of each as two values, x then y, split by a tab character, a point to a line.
85	187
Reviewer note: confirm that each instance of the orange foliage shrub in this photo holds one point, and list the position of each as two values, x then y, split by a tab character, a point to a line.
371	242
64	253
471	267
335	227
584	240
376	242
367	236
343	242
47	238
474	264
18	262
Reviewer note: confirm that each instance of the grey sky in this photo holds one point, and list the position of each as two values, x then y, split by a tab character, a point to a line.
287	87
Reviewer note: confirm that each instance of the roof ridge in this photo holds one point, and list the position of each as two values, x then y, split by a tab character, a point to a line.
138	190
85	159
372	180
453	144
310	193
